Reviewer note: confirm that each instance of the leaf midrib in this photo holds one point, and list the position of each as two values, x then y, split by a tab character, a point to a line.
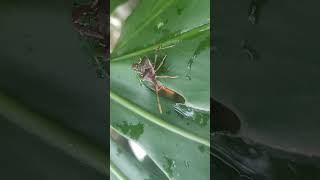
166	43
54	134
156	120
117	172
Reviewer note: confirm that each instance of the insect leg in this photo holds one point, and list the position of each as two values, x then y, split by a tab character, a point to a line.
169	77
157	50
155	60
158	99
161	63
140	81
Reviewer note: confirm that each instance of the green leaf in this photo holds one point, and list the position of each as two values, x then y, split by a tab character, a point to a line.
123	165
266	71
177	155
177	142
275	94
45	92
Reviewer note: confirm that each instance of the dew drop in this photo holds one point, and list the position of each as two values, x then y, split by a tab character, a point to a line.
160	25
248	50
169	166
254	10
200	117
185	111
186	164
189	65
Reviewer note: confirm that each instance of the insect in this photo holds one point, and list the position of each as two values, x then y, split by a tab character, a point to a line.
90	20
148	73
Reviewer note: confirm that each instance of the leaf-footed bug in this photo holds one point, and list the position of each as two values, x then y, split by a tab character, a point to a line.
147	72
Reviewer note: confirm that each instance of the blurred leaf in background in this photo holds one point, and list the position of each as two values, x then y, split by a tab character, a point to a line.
52	106
266	72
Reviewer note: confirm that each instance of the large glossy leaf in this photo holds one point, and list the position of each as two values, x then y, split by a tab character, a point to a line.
124	165
275	94
178	143
165	24
240	158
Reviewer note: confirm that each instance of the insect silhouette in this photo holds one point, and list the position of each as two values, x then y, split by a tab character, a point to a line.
148	73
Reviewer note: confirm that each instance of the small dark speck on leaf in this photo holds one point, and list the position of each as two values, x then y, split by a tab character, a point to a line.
179	10
201	148
133	130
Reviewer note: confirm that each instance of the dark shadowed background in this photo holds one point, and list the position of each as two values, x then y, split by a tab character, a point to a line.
266	72
44	66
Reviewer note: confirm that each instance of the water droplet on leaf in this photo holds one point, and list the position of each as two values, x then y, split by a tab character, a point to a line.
200	117
187	164
169	166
